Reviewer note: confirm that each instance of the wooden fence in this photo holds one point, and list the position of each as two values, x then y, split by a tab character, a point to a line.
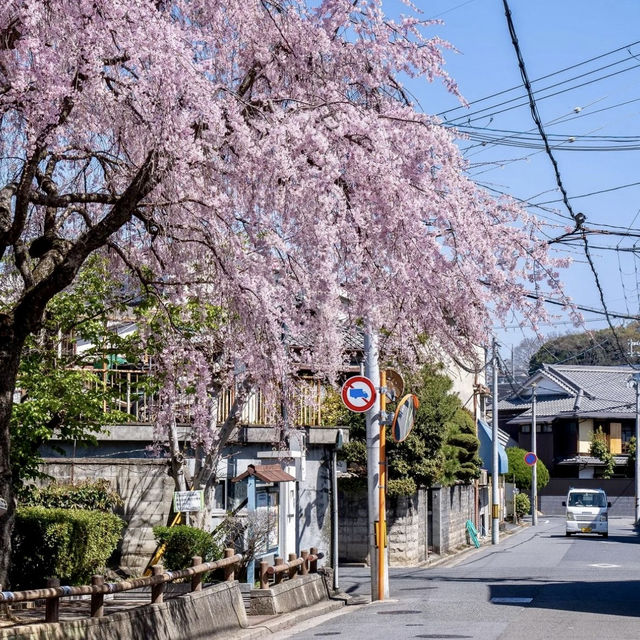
98	588
306	563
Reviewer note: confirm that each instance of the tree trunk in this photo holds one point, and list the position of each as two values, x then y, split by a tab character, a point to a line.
10	350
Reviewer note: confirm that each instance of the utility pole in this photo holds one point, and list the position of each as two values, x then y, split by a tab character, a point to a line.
376	519
495	492
334	507
636	382
534	467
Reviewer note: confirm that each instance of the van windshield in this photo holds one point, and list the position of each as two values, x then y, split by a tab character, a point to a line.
586	500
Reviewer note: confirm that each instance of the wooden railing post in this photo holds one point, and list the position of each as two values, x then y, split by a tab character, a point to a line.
52	611
293	570
279	575
304	570
264	578
313	565
97	599
196	580
157	590
229	570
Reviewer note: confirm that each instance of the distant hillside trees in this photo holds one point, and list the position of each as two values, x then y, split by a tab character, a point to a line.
590	348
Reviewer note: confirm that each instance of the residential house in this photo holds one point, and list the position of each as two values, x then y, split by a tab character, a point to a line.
572	402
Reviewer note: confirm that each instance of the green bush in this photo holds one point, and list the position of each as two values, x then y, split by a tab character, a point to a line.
182	543
521	471
93	495
70	544
523	504
401	487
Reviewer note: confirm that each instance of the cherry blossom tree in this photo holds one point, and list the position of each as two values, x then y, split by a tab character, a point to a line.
261	155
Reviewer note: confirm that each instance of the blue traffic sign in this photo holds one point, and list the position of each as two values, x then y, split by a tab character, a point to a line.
530	458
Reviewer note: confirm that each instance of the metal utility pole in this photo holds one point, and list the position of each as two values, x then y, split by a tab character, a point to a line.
495	476
372	371
636	382
534	467
334	507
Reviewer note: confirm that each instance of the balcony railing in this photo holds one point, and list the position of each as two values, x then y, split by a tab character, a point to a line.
129	392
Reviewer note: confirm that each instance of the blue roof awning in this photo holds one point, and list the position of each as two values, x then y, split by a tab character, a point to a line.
486	449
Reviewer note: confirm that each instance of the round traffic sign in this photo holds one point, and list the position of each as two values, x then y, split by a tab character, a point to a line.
358	394
530	458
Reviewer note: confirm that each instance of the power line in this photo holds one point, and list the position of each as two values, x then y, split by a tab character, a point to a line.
593	193
549	75
578	218
475	115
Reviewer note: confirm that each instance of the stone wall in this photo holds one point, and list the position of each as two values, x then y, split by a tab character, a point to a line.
353	540
452	507
147	492
407	529
431	520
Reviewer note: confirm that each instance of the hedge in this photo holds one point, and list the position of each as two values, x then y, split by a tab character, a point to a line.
89	494
182	543
70	544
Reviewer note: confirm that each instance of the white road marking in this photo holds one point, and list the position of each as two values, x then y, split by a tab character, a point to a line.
605	565
511	600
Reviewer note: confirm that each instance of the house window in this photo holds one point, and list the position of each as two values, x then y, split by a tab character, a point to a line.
526	428
547	428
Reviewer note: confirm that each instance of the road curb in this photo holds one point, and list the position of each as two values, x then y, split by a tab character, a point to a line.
285	621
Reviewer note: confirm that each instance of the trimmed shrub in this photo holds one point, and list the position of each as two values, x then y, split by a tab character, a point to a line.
401	487
520	471
89	494
523	504
70	544
182	543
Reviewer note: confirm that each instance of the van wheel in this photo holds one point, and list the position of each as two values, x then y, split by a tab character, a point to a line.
568	533
605	535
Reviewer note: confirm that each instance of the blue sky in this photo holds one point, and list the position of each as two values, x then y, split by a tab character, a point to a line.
554	35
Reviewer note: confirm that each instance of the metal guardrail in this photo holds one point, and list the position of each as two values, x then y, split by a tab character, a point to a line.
305	564
98	588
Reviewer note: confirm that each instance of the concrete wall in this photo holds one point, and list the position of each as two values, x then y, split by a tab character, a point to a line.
147	492
431	520
407	529
290	595
147	489
620	492
452	507
215	612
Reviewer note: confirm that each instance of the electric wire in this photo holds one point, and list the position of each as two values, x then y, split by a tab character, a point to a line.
578	218
481	115
549	75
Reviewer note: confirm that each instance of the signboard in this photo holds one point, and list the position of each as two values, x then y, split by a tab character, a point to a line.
404	417
530	458
188	501
359	394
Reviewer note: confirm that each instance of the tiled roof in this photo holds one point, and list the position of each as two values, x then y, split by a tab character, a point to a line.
596	462
266	473
589	391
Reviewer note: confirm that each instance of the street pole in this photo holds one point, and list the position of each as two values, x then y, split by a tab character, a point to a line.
382	488
534	467
636	380
372	371
334	511
495	500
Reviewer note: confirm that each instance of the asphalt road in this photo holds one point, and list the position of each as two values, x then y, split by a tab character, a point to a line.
536	583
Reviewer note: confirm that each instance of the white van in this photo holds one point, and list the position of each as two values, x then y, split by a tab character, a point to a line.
587	511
